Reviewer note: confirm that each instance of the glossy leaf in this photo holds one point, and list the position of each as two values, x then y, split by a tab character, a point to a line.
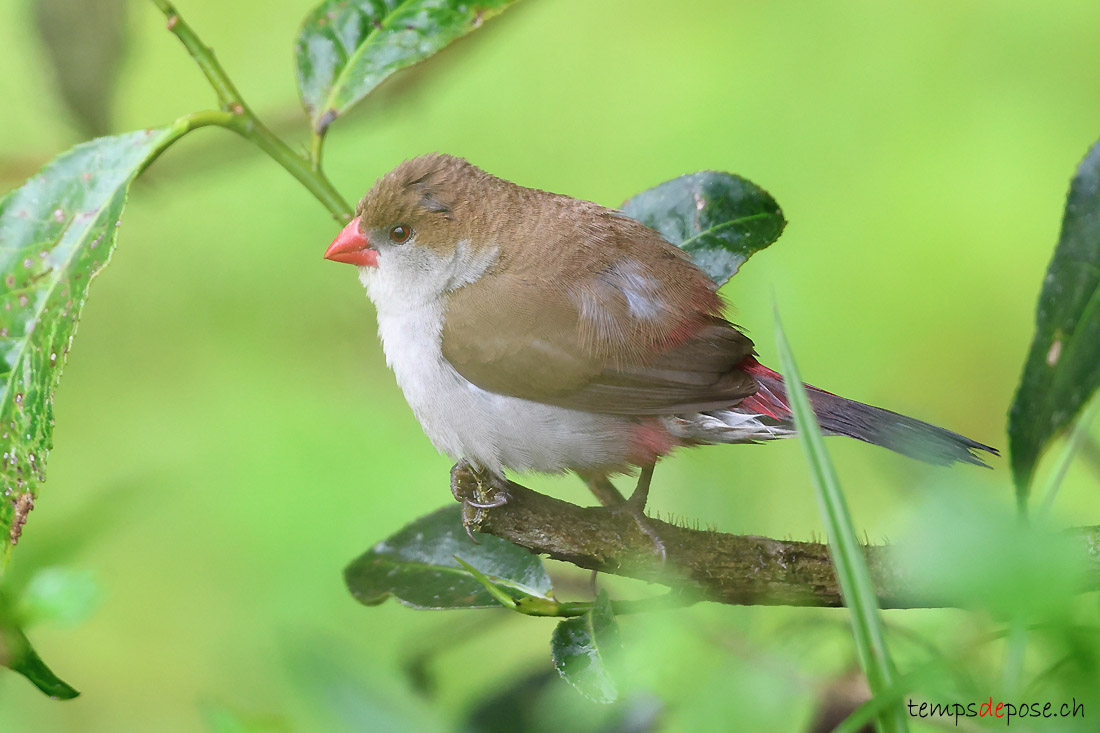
57	231
844	548
1063	367
581	648
417	567
718	218
346	48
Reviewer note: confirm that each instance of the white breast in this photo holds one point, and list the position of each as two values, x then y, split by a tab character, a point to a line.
464	421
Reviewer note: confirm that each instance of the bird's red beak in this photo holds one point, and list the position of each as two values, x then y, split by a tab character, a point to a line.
352	247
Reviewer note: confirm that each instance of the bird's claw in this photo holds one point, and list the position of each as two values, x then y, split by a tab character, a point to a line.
469	523
488	493
637	513
635	507
500	499
471	520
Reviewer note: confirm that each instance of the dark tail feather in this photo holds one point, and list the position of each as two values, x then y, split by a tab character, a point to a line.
899	433
840	416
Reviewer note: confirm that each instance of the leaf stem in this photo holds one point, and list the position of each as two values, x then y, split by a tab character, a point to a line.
501	597
244	122
530	605
675	598
316	141
535	606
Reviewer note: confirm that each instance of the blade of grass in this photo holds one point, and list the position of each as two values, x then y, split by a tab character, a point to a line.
1072	445
844	547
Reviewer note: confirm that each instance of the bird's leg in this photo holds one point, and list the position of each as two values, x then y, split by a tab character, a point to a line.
490	492
609	496
604	491
641	491
636	506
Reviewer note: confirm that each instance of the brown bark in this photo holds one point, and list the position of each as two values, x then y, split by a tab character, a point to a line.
726	568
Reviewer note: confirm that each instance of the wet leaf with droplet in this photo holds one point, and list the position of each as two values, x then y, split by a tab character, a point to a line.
718	218
417	567
1062	370
346	48
581	648
57	231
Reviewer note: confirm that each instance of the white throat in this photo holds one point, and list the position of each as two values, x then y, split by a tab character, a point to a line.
410	276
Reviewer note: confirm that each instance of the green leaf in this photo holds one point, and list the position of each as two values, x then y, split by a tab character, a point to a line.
581	648
851	566
17	653
346	48
718	218
1063	367
57	231
417	567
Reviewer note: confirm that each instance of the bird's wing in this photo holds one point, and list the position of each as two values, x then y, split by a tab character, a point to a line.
637	332
700	374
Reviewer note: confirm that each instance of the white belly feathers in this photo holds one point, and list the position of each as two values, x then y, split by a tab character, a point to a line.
464	421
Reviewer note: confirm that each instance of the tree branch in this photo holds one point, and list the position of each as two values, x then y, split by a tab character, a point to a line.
245	123
726	568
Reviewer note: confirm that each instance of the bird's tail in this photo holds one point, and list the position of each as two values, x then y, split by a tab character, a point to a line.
840	416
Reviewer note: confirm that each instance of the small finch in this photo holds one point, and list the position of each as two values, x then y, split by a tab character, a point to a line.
536	332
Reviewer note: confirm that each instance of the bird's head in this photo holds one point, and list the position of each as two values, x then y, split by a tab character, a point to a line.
420	226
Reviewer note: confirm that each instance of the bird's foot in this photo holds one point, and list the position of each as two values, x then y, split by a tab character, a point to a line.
610	497
646	527
489	492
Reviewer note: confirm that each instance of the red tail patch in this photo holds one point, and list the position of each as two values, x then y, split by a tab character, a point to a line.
769	401
755	368
765	401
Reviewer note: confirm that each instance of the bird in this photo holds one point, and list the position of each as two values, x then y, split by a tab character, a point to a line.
534	332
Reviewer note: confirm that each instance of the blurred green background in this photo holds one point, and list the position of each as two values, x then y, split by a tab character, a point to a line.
229	437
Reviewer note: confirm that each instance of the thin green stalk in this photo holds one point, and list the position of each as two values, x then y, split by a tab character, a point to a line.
316	142
536	606
885	700
1072	445
245	123
187	123
494	590
569	609
851	567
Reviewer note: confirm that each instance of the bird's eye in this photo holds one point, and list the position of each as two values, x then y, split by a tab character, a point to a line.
400	234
